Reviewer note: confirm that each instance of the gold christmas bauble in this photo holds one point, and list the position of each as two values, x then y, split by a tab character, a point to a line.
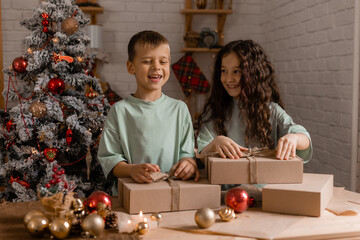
60	228
77	204
93	224
32	214
156	217
142	227
227	214
70	26
205	217
38	109
36	225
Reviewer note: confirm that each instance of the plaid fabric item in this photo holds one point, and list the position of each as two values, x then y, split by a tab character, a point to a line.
190	76
111	96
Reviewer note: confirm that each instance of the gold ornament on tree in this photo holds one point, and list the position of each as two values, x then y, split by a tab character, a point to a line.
205	217
70	26
38	109
227	214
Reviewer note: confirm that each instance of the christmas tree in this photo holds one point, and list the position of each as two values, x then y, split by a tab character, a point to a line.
49	139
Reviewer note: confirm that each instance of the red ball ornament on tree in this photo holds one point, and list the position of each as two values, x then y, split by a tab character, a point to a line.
97	197
19	65
45	23
237	199
56	86
46	30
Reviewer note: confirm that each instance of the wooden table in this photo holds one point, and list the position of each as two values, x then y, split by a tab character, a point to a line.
253	222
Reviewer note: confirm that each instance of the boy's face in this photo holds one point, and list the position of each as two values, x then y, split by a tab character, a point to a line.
151	67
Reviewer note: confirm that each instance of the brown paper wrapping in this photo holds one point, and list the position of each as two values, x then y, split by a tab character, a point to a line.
308	198
257	166
165	196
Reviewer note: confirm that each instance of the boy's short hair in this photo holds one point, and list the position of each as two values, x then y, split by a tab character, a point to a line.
145	38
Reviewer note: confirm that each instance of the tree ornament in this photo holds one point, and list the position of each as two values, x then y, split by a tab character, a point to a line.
69	136
45	15
36	225
91	93
38	109
227	214
93	224
19	65
21	182
31	214
237	199
60	228
205	217
45	22
70	26
97	197
50	154
142	227
56	86
46	30
10	125
58	57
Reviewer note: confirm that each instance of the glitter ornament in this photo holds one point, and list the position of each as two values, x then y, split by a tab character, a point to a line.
70	26
19	65
237	199
38	109
205	217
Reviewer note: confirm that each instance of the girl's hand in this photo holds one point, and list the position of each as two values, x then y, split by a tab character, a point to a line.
227	147
185	169
140	173
287	146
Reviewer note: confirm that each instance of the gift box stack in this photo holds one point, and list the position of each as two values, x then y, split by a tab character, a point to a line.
288	190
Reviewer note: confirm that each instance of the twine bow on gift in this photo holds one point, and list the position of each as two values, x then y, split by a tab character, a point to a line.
251	155
175	188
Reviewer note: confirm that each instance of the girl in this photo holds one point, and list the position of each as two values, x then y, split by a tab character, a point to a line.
245	109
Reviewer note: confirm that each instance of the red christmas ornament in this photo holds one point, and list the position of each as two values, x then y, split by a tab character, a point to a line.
45	15
237	199
56	86
50	154
252	202
19	65
69	136
95	198
9	125
45	22
91	94
46	30
21	182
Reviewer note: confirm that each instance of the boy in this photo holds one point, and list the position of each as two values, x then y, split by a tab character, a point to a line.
148	131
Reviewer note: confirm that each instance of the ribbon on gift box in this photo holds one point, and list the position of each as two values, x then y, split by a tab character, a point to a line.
251	155
175	188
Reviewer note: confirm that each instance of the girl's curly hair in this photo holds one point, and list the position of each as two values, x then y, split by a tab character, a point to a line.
258	88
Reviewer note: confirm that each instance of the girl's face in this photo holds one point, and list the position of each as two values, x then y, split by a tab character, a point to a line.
231	74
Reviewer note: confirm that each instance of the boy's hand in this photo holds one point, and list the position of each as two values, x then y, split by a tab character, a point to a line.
185	169
227	147
286	146
140	173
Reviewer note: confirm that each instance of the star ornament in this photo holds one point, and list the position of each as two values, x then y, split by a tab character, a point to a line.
58	57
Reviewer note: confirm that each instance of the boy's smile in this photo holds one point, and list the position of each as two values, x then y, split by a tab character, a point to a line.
151	67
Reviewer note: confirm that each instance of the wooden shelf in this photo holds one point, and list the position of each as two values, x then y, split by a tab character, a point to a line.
200	49
206	11
92	11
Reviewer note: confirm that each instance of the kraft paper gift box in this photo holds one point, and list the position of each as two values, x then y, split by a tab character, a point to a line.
308	198
257	166
167	196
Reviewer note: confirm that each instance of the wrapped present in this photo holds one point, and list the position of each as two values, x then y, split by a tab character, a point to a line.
256	166
168	195
308	198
